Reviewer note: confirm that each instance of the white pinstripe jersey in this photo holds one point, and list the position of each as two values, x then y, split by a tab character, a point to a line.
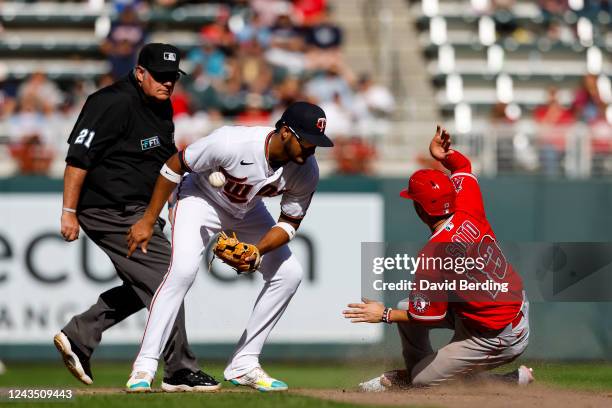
240	153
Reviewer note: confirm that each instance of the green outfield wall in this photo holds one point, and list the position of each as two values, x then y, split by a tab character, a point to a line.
519	209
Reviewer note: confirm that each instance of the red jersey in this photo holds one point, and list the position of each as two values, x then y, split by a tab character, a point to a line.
467	233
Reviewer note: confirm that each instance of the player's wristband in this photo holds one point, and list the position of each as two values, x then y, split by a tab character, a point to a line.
386	316
69	210
170	174
288	229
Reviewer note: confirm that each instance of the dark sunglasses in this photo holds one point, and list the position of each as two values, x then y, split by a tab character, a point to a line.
299	140
163	77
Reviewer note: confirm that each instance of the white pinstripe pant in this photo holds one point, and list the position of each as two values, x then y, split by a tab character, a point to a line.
196	221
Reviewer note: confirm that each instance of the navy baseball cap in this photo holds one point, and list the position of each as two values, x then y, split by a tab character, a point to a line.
308	121
160	58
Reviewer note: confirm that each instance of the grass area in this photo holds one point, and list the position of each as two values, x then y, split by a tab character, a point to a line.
54	375
163	400
578	376
585	376
307	375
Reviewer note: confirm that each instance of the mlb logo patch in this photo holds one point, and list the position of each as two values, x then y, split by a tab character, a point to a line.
169	56
149	143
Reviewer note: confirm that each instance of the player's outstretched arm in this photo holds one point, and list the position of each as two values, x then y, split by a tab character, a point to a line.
276	236
440	150
140	233
372	312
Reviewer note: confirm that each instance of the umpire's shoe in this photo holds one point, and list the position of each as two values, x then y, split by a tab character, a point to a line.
76	362
187	381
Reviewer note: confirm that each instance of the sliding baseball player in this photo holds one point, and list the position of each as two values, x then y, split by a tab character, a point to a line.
491	325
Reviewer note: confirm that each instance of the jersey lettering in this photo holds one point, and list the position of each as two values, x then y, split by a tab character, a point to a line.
85	137
495	261
235	189
466	233
496	266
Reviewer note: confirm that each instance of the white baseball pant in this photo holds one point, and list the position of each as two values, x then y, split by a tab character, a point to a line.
196	221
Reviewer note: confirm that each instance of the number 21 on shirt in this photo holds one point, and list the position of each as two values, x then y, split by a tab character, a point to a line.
85	137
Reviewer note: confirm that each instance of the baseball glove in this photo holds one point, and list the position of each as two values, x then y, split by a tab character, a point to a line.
233	252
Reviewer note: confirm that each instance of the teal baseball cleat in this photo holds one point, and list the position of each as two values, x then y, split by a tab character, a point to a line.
139	382
258	379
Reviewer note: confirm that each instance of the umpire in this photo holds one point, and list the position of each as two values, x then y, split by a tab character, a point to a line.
121	139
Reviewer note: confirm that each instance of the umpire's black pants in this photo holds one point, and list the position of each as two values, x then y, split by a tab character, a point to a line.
141	275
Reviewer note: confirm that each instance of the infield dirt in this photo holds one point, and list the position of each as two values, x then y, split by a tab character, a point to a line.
470	396
452	396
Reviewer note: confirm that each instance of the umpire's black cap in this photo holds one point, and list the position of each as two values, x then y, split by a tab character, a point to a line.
161	58
308	121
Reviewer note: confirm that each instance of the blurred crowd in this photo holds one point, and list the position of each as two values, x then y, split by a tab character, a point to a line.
257	56
254	59
573	23
556	128
559	21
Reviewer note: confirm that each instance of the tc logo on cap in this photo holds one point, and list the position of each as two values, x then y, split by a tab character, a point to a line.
169	56
321	122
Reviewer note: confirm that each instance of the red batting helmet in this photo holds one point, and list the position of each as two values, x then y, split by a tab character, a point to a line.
433	190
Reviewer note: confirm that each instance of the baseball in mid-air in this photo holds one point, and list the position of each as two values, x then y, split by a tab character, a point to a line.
216	179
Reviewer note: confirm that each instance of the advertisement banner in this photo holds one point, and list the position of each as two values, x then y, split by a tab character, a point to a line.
44	280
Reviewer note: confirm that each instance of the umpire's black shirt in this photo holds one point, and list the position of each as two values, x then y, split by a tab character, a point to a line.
122	139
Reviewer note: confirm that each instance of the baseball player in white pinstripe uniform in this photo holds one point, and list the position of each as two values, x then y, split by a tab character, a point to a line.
229	172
